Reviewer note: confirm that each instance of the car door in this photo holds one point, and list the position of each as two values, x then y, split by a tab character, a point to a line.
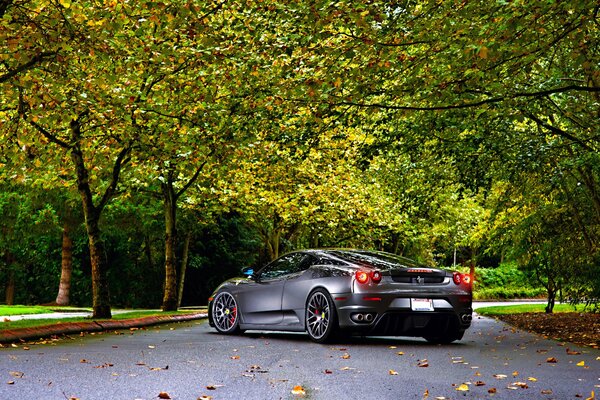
260	301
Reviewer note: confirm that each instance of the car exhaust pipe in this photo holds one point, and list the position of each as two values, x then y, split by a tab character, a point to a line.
360	317
466	318
369	317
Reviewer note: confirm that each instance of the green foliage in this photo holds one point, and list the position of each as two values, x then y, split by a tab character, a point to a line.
421	128
527	308
506	282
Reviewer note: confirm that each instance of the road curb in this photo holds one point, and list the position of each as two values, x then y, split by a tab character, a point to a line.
66	328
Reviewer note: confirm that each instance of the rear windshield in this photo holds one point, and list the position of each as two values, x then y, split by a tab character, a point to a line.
382	261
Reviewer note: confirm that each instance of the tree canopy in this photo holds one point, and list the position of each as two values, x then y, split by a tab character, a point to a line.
421	127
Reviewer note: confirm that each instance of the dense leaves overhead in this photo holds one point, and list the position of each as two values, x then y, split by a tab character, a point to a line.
415	126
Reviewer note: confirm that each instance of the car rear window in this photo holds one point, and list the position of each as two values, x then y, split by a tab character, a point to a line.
382	261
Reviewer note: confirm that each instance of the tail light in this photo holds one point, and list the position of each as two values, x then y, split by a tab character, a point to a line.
459	278
364	276
376	276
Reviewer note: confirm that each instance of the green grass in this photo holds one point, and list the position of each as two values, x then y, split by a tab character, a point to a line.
526	308
27	310
32	323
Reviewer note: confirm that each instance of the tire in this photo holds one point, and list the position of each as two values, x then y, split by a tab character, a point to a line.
225	314
320	316
450	337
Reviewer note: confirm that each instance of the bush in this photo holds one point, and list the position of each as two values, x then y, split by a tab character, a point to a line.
506	282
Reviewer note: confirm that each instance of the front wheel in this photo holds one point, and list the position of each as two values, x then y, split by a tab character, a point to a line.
225	313
321	316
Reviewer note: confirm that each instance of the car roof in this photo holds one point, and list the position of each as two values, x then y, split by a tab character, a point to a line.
365	258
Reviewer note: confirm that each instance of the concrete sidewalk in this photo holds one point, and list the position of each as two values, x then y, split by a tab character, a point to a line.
65	328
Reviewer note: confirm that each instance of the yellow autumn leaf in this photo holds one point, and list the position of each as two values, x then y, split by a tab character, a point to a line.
592	396
392	372
532	379
581	364
463	388
298	391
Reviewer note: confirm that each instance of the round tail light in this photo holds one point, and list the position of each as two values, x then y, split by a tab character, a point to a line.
376	276
362	277
457	278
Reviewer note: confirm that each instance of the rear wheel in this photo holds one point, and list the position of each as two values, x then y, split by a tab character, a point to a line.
321	316
449	337
225	313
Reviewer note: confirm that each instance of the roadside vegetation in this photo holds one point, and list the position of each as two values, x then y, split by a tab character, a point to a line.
507	281
149	150
33	323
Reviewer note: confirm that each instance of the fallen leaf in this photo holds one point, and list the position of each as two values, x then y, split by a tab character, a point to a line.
551	360
235	357
546	391
572	352
151	347
401	353
463	388
392	372
522	385
516	373
479	383
346	356
492	390
17	374
592	396
581	364
214	387
500	376
328	371
205	397
532	379
164	395
84	361
298	391
10	382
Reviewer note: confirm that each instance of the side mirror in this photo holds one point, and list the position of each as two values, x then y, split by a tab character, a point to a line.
248	272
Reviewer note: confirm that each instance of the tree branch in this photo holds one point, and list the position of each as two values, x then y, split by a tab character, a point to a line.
38	58
112	187
474	104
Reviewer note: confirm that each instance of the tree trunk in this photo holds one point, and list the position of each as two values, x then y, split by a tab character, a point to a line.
551	300
170	209
472	266
64	288
184	263
10	288
100	296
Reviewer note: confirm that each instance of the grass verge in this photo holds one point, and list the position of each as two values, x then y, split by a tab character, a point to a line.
527	308
33	323
29	310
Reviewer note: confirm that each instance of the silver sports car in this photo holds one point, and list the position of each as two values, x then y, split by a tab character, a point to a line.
325	292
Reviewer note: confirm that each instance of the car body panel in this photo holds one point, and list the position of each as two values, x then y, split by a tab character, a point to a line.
269	302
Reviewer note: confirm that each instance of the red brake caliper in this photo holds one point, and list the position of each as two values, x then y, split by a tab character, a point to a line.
233	315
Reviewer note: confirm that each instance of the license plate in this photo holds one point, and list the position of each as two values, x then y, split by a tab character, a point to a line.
421	304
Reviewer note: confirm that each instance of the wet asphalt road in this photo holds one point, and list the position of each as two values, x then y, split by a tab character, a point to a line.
189	361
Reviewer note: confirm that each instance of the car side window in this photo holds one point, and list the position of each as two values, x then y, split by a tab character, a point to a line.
285	265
